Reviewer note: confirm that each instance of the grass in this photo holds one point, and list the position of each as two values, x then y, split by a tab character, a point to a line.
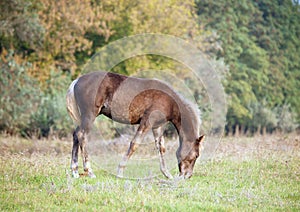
244	174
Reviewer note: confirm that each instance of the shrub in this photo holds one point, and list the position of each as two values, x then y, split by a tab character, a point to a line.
51	116
286	119
262	118
28	108
19	95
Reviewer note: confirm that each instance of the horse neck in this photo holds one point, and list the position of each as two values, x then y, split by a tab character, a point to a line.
186	125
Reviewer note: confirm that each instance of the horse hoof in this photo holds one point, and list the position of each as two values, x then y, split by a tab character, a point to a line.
167	174
170	177
75	174
119	176
120	172
91	175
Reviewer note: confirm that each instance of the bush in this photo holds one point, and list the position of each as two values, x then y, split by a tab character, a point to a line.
286	119
51	116
25	108
262	117
18	97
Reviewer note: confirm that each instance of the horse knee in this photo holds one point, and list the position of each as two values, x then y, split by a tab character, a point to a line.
80	137
133	147
162	149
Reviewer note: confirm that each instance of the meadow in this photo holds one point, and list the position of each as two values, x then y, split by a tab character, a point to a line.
242	174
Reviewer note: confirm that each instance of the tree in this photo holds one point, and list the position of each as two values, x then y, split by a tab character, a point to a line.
176	18
67	25
259	43
280	38
20	26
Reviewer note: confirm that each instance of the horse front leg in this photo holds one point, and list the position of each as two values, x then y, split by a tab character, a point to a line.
159	142
139	136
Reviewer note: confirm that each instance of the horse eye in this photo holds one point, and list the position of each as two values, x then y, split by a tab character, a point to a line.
196	155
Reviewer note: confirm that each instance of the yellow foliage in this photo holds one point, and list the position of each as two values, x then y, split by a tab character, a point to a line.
66	23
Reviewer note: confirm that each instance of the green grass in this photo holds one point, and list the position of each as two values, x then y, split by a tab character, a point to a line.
265	179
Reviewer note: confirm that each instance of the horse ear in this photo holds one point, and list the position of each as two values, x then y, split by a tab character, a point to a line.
201	138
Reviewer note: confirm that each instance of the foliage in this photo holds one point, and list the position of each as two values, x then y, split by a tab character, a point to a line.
51	115
260	43
19	95
20	26
286	120
26	109
67	25
256	42
262	117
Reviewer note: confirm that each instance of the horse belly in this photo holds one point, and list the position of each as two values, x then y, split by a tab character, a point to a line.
121	104
134	97
127	112
121	115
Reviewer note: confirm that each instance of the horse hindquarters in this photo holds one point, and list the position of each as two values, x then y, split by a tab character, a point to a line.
72	107
84	120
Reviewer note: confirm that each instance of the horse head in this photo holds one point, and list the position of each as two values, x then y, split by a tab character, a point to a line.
187	154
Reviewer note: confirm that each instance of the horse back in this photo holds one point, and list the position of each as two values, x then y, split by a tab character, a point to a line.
124	99
136	98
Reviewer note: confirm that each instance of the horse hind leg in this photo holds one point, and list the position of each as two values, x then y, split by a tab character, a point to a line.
159	142
74	160
82	133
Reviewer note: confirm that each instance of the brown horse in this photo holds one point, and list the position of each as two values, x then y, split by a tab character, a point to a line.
147	102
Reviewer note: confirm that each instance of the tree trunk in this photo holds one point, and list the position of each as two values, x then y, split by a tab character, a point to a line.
237	131
264	130
229	134
258	130
242	129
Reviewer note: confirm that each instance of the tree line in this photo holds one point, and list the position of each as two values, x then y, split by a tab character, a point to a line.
255	44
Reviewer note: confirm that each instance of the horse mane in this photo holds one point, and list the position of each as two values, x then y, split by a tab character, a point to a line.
192	109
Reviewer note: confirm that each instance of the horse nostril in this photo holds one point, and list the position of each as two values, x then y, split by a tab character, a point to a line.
179	167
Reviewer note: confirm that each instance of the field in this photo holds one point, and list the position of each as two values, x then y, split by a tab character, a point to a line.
261	173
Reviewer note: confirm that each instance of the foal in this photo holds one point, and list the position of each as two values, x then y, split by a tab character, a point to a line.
146	102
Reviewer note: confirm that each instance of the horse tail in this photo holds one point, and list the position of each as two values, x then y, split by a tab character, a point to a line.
72	106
